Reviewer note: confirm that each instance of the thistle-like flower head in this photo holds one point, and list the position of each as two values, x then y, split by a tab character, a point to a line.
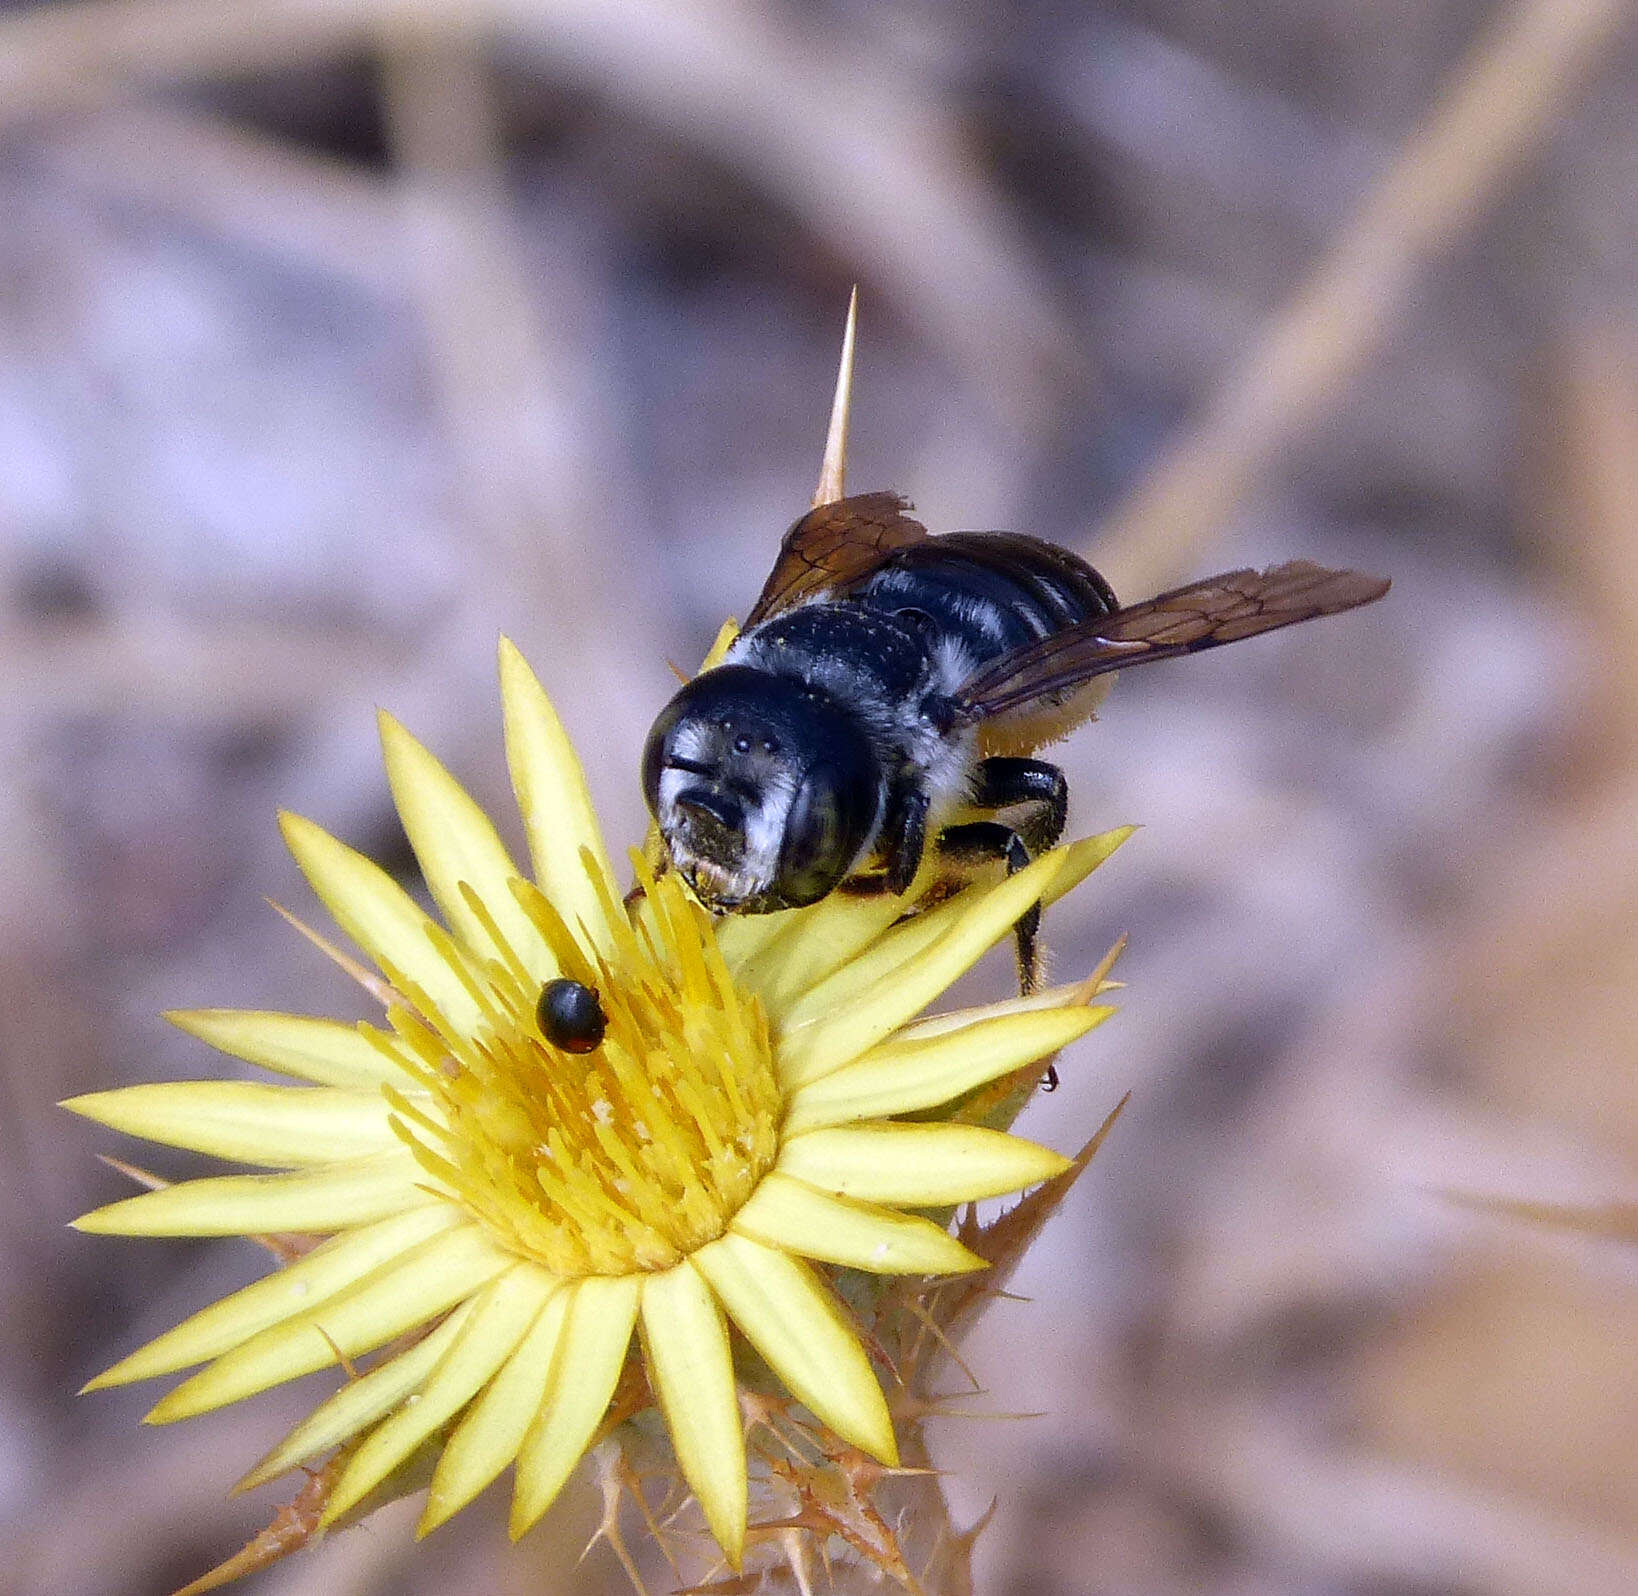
496	1216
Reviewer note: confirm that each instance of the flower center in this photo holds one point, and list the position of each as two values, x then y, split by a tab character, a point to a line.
624	1158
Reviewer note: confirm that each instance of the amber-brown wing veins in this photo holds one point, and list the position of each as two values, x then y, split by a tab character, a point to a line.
1220	609
835	546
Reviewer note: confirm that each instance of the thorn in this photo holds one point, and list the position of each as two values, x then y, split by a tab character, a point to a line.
1618	1220
341	1357
293	1526
612	1481
931	1325
372	983
1003	1241
797	1555
946	1409
131	1172
764	1412
833	471
1098	981
286	1246
965	1540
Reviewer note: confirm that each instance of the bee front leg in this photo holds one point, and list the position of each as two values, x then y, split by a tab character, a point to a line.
907	836
897	855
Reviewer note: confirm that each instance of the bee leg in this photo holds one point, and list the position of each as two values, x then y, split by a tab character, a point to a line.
1032	785
906	837
991	839
980	840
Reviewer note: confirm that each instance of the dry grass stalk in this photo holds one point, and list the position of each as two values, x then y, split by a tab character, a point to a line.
874	159
311	211
1491	115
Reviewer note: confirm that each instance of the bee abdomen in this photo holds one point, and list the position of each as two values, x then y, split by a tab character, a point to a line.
989	592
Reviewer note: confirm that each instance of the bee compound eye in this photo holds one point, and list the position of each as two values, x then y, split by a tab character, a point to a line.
570	1016
828	821
657	750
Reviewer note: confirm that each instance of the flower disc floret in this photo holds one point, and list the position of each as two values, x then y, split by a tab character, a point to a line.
625	1158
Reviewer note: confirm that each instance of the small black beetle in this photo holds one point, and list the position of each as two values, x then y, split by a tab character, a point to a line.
570	1017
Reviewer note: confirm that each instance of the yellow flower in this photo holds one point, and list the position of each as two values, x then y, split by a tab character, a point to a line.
502	1215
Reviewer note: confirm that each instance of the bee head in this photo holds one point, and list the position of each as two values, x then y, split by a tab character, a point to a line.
765	789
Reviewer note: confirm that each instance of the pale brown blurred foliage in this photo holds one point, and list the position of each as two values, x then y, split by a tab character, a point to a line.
337	336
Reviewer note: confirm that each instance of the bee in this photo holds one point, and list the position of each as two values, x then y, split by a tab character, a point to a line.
889	682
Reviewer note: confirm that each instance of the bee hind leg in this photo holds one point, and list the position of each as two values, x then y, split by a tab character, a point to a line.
1037	789
980	840
1041	794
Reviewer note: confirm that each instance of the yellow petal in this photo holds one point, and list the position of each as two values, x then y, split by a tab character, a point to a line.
316	1201
743	937
590	1354
455	842
322	1051
796	1217
901	1076
817	944
685	1345
555	803
492	1430
500	1317
359	1403
413	1288
723	641
1067	995
276	1297
380	917
818	957
1081	858
795	1324
279	1127
825	1044
924	1166
880	960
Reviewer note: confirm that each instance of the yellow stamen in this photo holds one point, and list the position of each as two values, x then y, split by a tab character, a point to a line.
626	1158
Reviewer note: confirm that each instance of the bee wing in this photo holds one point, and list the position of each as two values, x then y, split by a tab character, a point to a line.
1220	609
834	546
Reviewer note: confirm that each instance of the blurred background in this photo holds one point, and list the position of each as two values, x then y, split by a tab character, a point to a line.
338	336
